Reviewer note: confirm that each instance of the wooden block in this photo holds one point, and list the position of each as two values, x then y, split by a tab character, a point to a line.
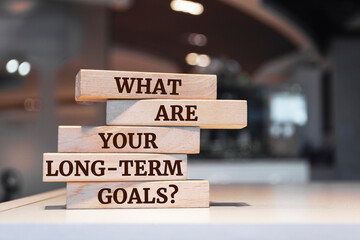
65	167
100	85
202	113
160	194
129	139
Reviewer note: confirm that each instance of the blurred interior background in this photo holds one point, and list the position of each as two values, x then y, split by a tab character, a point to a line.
297	63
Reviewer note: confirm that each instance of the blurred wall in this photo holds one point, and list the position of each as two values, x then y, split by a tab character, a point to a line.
80	41
346	99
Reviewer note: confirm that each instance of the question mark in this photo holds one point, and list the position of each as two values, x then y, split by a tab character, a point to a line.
176	189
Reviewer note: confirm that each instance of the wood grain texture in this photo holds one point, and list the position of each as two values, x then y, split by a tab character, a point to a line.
100	85
127	139
211	114
158	194
65	167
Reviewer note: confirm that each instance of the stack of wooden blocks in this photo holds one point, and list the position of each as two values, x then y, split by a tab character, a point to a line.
139	159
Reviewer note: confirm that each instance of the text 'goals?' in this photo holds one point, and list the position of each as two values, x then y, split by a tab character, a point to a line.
155	194
66	167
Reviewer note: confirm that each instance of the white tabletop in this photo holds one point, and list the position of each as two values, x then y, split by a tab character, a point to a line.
304	211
